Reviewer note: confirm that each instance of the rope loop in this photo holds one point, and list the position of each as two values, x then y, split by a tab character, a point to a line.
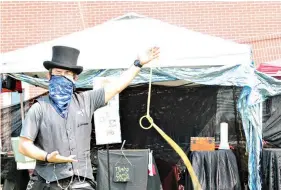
150	120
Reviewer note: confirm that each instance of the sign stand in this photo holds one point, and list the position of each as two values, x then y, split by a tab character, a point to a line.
107	122
108	166
108	163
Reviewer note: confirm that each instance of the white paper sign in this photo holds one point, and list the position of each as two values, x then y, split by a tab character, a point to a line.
107	123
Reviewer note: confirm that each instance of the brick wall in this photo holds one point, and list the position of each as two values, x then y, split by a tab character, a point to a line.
256	23
35	91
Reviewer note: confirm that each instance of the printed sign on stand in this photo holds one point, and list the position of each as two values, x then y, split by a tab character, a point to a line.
107	123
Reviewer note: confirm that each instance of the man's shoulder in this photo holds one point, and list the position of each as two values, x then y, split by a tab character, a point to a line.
43	99
36	106
35	110
83	94
91	92
89	95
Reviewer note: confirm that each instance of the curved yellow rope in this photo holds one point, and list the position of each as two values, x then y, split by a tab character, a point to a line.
195	182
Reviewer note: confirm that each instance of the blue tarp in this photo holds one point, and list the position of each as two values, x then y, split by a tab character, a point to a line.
256	88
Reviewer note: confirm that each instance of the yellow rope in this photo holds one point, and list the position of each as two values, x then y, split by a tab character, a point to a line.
196	184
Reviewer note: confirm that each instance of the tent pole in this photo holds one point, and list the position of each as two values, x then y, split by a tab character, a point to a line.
21	106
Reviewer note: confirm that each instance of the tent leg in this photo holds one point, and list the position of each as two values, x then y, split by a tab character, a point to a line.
21	106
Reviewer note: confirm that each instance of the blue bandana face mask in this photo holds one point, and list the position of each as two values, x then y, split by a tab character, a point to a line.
60	92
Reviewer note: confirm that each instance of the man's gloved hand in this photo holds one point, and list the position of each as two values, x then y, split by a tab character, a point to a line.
55	157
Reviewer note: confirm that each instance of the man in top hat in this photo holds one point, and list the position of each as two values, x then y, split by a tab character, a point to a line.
57	128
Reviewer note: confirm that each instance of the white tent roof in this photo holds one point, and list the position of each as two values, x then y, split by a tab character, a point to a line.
115	44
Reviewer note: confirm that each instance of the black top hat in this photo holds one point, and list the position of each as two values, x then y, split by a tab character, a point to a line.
64	58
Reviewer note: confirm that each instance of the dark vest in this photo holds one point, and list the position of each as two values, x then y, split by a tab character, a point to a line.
69	136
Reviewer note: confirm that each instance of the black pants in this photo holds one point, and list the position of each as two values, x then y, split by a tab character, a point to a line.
39	184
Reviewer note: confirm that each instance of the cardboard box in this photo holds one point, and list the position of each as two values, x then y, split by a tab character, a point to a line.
202	144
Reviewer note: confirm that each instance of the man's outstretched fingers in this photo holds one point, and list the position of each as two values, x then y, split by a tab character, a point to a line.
71	158
55	157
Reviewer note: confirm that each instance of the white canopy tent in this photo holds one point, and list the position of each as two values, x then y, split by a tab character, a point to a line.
116	43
